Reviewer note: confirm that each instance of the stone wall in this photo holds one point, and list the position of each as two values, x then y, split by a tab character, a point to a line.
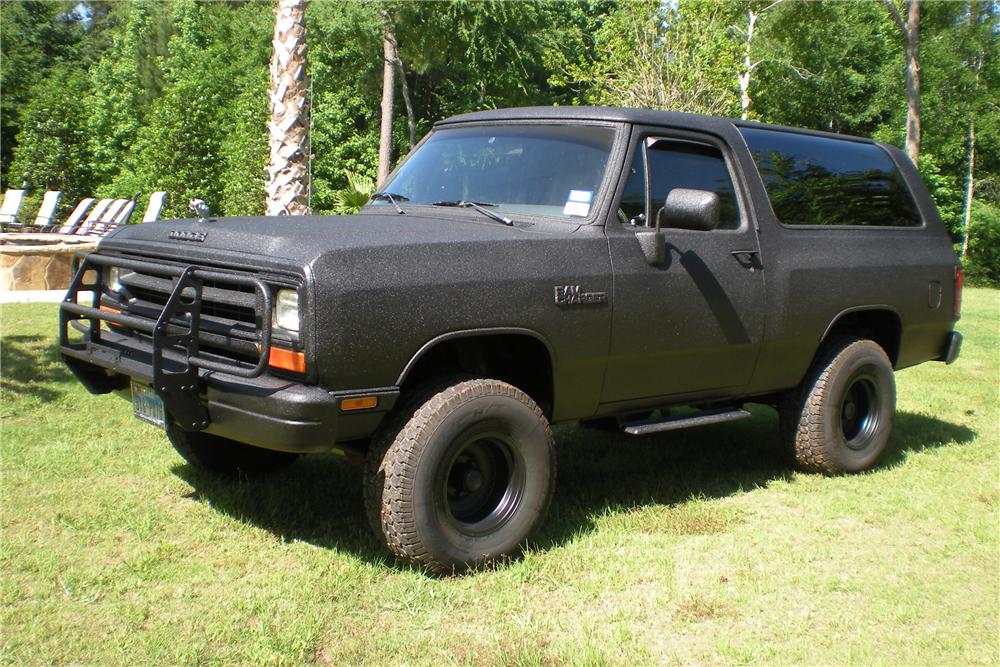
39	261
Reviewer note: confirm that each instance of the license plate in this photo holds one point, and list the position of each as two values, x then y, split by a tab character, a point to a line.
147	406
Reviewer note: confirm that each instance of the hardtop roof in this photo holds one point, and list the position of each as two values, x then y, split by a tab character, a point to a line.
628	115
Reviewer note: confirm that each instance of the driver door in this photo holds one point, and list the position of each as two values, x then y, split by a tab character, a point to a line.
691	327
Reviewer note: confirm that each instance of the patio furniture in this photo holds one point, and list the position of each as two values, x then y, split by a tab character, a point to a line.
76	217
118	219
11	207
100	226
50	200
95	214
156	201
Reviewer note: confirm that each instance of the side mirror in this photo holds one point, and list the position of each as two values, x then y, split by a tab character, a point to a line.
685	208
653	243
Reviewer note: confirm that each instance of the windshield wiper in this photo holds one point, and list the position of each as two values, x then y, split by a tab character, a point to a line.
479	206
392	197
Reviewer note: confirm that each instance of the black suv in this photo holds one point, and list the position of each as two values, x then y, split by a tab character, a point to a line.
637	269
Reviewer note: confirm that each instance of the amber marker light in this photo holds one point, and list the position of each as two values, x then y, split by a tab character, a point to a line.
109	309
287	360
359	403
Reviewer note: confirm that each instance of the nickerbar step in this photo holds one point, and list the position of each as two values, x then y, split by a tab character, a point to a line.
703	418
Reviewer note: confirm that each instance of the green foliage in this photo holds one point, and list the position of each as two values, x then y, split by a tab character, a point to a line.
37	36
947	192
52	143
982	264
171	94
359	190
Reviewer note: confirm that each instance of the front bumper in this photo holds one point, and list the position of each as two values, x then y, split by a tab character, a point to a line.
266	411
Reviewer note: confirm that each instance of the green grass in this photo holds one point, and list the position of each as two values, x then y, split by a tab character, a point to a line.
694	547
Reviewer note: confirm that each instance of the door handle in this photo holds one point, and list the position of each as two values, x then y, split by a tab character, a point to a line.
748	259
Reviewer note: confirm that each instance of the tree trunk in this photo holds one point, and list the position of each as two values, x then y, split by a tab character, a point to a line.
411	120
287	188
744	76
969	187
388	98
912	35
911	39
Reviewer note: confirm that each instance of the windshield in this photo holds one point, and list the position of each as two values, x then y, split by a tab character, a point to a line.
533	169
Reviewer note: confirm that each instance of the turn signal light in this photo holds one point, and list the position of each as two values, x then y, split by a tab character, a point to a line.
109	309
359	403
287	360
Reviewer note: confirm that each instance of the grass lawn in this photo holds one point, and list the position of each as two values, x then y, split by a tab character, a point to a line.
693	547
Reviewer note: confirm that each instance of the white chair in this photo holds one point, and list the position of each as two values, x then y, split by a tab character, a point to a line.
121	218
156	201
100	228
76	217
94	215
50	200
11	207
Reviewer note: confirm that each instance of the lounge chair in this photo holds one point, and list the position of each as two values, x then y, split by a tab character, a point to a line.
156	201
95	214
75	218
43	220
11	207
120	219
100	227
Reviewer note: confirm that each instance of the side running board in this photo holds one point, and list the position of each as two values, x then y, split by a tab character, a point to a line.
671	424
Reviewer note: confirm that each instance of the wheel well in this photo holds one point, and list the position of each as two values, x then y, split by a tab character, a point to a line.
517	359
880	325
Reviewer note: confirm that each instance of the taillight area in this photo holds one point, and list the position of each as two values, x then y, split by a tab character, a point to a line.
958	292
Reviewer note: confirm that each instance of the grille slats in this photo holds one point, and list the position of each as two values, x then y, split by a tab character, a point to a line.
229	322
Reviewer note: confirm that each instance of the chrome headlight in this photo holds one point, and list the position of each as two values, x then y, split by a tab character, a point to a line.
286	310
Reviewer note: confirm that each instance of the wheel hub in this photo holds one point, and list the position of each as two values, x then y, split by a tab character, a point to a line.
472	480
859	413
483	484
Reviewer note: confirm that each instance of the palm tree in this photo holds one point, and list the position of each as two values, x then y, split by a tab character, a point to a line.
287	187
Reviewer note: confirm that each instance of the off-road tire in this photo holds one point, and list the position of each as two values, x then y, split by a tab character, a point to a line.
462	475
839	419
223	457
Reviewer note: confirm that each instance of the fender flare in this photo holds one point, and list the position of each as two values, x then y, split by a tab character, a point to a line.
469	333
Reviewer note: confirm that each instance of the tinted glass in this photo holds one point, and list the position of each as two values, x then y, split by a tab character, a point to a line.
822	181
682	164
633	205
539	169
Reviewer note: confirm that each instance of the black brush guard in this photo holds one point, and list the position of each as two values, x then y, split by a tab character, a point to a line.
175	329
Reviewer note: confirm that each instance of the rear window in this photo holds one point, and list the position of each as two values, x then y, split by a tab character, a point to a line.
821	181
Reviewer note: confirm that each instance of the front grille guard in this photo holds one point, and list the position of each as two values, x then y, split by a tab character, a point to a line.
176	328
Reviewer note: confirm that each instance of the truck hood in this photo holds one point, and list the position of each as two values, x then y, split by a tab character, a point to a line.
300	240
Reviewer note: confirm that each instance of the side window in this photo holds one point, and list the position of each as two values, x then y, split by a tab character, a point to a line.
685	164
815	180
633	205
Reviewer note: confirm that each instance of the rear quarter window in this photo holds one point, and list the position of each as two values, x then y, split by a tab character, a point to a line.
821	181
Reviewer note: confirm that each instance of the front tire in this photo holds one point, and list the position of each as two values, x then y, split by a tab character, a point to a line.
840	417
463	477
223	457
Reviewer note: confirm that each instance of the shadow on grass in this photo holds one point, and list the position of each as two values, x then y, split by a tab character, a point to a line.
318	500
32	367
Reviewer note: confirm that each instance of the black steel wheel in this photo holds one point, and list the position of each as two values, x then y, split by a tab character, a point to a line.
224	457
464	475
840	418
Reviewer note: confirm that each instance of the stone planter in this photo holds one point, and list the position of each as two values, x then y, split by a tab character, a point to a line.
39	261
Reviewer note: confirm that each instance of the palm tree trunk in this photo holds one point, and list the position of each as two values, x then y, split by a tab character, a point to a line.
388	98
287	188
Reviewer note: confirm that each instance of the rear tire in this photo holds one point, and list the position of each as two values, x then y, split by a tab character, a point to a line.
223	457
840	417
463	476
